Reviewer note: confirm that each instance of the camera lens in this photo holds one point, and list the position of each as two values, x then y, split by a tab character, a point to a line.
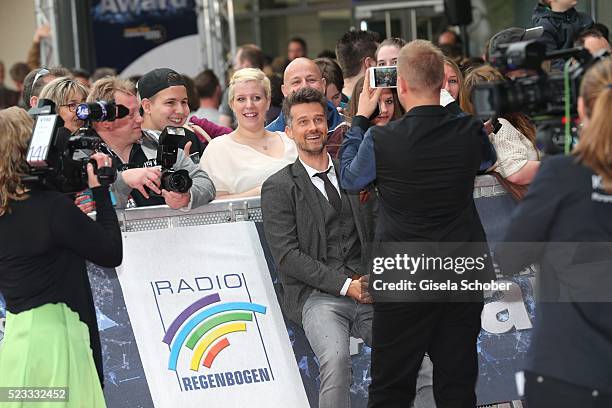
178	181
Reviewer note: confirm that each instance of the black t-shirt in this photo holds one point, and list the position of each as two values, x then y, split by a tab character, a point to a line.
44	242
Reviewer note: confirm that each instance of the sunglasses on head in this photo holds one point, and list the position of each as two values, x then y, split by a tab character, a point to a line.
41	73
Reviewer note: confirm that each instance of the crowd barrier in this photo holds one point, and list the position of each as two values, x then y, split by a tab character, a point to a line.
213	263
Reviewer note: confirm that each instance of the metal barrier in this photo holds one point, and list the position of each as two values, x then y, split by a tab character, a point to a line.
248	209
126	384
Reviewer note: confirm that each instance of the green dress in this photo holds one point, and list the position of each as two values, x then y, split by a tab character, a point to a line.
51	336
48	346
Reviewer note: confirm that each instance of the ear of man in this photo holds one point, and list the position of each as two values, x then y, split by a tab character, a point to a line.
285	90
368	62
146	106
402	86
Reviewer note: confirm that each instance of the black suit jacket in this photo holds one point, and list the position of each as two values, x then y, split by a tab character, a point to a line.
426	163
294	224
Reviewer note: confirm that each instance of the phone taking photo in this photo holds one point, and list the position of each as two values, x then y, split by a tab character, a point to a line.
383	77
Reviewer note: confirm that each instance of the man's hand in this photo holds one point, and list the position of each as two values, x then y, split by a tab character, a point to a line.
355	290
201	133
176	200
143	177
368	99
365	295
85	207
187	149
44	31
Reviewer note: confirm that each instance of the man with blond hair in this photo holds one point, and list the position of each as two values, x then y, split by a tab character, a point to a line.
424	165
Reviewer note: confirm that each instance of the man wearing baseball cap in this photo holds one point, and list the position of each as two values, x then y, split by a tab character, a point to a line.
163	99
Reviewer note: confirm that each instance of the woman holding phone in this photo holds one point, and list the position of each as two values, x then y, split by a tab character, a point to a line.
51	335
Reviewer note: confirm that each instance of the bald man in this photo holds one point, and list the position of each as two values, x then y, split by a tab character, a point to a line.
304	73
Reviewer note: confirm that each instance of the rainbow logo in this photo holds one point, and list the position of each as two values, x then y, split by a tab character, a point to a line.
208	323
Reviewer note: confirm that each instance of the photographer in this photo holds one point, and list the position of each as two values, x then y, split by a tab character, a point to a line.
570	201
134	157
51	337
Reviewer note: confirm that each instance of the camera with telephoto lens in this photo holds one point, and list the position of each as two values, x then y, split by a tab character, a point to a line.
172	180
59	159
543	97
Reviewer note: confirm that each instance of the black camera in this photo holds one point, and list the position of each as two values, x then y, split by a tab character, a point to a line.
172	180
59	159
544	97
101	111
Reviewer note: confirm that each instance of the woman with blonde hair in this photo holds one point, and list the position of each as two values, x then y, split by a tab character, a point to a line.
514	141
51	336
67	94
453	78
239	162
453	82
566	221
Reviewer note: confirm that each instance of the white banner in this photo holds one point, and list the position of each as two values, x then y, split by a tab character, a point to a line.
206	319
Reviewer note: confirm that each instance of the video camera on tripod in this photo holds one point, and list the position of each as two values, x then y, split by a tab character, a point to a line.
549	99
57	158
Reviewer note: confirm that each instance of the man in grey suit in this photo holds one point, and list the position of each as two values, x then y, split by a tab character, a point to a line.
319	236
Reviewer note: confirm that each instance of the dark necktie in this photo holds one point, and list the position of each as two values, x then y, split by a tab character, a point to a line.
330	190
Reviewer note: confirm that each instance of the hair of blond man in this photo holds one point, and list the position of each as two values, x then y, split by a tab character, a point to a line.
486	73
246	75
421	65
15	132
104	88
595	147
61	89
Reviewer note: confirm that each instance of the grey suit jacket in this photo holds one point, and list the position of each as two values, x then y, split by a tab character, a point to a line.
294	224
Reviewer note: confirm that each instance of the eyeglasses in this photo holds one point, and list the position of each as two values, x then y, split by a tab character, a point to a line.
41	73
71	106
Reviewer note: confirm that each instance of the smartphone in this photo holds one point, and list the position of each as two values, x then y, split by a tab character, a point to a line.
383	77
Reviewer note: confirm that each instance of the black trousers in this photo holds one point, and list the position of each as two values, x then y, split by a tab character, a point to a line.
545	392
403	332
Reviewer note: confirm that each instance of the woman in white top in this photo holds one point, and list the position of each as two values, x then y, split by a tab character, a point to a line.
514	142
239	162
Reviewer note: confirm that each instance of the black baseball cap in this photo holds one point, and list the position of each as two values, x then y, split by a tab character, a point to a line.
157	80
512	35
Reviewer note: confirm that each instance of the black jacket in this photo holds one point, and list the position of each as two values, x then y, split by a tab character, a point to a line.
426	163
565	223
560	29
